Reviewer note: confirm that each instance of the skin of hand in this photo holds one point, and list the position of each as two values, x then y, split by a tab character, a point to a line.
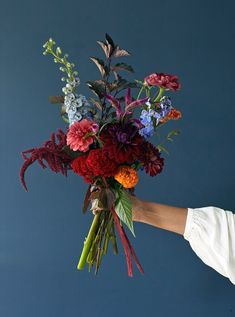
161	216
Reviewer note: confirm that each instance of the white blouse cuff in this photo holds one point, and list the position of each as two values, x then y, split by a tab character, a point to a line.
211	234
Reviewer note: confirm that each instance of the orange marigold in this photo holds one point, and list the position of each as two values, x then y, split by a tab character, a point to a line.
173	114
127	176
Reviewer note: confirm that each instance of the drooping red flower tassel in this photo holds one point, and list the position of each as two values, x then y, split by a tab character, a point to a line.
51	152
128	249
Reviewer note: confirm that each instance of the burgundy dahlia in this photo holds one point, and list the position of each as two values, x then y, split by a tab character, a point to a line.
122	142
150	157
166	81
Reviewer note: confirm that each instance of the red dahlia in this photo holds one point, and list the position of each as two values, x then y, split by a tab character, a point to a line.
122	142
166	81
151	159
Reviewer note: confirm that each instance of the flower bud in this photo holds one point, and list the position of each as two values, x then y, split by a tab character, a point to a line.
58	50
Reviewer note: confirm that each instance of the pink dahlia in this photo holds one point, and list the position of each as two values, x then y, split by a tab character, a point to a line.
81	135
166	81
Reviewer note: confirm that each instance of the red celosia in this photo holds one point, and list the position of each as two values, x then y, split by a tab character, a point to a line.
96	163
100	163
80	167
166	81
57	159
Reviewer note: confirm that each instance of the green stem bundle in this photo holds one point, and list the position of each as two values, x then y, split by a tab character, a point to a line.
88	242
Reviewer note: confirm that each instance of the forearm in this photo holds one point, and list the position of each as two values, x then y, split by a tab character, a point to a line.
162	216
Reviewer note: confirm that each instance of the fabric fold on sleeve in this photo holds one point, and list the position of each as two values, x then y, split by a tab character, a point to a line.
211	234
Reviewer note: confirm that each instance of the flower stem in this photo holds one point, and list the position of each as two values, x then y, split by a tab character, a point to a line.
88	242
159	95
140	92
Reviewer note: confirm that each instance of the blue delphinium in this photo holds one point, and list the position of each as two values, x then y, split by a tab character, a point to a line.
164	106
76	107
150	117
146	118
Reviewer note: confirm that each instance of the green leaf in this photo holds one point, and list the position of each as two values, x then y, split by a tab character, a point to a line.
124	211
122	66
161	148
171	134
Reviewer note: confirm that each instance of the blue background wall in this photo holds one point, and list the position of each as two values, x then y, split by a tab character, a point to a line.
41	232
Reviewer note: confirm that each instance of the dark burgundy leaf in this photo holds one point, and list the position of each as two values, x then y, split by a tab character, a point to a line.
100	64
107	198
122	66
109	40
96	103
97	88
119	52
87	201
107	48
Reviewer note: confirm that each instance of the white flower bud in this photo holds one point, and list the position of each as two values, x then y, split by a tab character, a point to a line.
58	50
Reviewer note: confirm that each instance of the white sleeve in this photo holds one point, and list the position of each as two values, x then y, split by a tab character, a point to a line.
211	234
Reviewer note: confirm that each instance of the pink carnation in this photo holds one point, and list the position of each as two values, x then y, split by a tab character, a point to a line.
166	81
77	136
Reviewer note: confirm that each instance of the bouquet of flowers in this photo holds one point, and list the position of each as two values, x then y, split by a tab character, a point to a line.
106	144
